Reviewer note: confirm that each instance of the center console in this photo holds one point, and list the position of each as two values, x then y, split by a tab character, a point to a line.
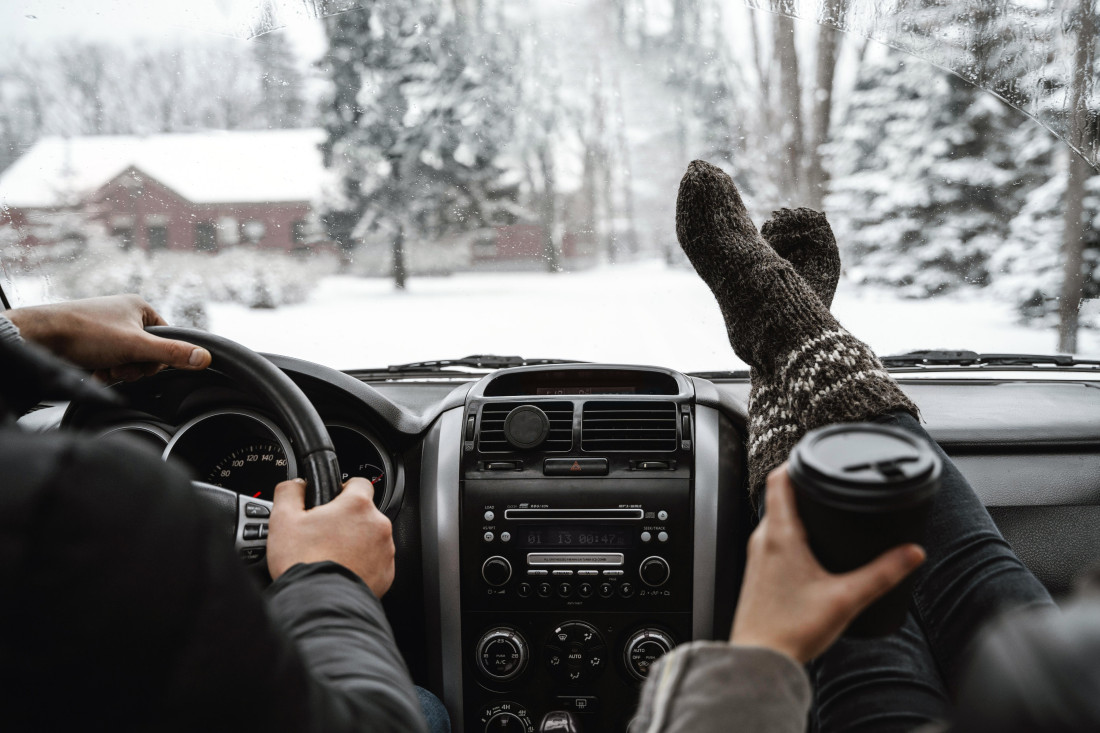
580	518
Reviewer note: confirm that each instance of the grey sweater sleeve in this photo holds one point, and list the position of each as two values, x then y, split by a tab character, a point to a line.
703	686
9	332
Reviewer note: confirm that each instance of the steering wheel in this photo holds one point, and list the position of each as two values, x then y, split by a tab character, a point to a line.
245	517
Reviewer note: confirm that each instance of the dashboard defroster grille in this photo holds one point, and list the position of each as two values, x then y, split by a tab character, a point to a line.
628	426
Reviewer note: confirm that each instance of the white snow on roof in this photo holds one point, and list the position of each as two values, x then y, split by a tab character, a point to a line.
211	167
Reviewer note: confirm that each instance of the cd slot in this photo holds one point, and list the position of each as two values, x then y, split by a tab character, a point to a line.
581	515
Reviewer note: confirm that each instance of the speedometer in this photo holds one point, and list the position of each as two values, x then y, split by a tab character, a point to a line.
251	470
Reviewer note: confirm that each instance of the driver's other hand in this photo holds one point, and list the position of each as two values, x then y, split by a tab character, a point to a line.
107	335
349	530
790	603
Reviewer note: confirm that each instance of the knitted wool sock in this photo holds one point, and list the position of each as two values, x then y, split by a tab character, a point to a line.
774	320
804	238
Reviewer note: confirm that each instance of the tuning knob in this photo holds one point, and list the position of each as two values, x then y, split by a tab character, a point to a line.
496	571
526	427
654	571
643	649
501	654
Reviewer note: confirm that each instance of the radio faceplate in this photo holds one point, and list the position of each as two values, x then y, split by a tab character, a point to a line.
543	560
540	545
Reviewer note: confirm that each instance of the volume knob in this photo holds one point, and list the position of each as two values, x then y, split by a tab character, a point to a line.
496	570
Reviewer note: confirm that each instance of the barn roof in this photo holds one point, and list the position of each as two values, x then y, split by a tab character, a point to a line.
238	166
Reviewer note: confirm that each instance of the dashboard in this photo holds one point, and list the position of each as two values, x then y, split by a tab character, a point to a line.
559	527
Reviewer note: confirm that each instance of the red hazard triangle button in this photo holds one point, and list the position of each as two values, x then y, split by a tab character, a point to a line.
575	467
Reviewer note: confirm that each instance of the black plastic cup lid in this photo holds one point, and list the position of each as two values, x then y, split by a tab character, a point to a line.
865	466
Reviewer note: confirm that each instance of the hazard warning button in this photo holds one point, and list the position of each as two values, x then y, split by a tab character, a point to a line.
575	467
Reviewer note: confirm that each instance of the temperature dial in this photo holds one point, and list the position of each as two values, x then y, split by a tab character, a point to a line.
506	717
501	654
643	649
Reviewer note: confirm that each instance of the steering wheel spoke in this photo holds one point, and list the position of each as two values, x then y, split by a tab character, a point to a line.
241	518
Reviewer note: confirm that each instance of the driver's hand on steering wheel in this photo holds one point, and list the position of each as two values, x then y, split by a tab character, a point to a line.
107	335
349	530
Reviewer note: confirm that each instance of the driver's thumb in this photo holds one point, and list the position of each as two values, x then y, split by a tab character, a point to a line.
178	354
876	578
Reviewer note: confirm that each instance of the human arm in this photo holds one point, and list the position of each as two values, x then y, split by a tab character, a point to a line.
133	602
106	335
790	610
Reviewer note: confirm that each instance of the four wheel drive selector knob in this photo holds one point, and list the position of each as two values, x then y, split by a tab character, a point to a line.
501	654
496	571
654	571
644	648
526	427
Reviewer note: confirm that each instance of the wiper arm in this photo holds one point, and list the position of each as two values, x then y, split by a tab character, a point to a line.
476	361
972	358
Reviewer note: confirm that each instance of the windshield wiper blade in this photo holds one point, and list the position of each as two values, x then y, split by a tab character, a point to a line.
972	358
476	361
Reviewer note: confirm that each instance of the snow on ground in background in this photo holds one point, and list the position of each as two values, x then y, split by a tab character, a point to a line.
638	314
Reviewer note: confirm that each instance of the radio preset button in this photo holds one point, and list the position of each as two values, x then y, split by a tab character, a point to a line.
544	590
626	590
489	516
524	590
565	590
662	536
496	571
606	591
662	515
584	590
646	536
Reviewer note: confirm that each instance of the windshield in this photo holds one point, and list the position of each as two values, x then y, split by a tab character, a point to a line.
362	184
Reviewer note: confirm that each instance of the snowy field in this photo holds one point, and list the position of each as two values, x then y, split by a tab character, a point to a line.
640	314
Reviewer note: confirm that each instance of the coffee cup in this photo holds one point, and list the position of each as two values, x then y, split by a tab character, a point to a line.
862	489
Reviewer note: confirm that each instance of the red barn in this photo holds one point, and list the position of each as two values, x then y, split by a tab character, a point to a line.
194	191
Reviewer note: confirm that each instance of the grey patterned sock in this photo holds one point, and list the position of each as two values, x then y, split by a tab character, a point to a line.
775	321
804	238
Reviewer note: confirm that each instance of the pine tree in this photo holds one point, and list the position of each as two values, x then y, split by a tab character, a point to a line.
925	177
419	112
281	94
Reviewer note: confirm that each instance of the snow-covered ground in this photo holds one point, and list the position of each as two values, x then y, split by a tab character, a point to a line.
641	313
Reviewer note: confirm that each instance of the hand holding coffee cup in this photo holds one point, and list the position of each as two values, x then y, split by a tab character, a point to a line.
862	489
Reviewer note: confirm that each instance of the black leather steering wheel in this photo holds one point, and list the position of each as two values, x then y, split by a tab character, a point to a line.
308	436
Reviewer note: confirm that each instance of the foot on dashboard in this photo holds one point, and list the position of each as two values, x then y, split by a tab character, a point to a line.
775	321
804	238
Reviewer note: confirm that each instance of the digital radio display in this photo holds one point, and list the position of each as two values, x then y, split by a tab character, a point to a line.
555	537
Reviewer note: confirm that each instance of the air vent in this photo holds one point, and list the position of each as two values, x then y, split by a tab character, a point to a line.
628	426
491	438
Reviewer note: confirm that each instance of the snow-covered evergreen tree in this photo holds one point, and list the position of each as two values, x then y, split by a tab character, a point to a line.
925	177
419	111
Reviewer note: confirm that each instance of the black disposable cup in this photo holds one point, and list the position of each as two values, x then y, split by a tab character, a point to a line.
863	488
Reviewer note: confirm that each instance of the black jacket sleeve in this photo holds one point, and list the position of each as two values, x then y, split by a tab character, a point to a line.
125	609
